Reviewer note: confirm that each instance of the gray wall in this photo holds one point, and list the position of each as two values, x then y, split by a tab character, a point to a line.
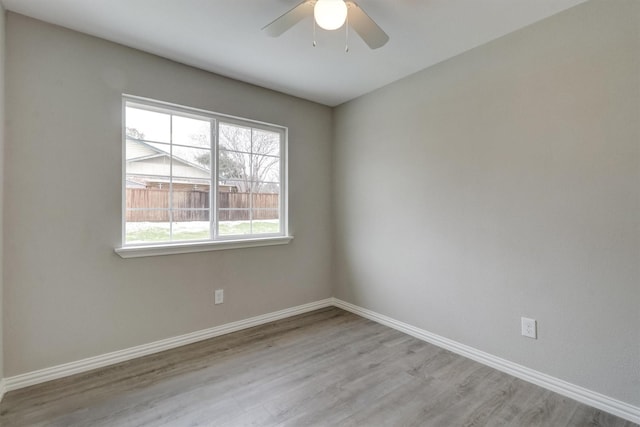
2	41
503	183
67	294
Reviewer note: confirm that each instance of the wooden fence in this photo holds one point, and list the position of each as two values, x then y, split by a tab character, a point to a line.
189	205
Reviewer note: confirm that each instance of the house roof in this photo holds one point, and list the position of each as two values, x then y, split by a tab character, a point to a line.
145	159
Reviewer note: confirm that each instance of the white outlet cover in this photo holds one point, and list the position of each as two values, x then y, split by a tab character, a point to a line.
219	296
529	328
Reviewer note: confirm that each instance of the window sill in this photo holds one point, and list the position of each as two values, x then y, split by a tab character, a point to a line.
187	247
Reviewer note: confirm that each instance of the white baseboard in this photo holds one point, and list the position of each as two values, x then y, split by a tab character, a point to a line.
84	365
581	394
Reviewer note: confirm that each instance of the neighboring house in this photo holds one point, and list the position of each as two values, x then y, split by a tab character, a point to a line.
135	184
149	167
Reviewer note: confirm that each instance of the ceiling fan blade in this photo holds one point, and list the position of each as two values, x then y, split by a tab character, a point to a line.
290	18
366	28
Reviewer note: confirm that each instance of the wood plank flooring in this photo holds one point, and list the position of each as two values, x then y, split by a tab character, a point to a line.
324	368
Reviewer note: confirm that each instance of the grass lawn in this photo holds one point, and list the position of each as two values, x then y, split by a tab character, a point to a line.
150	232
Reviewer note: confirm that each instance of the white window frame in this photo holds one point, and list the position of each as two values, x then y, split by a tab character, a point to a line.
216	242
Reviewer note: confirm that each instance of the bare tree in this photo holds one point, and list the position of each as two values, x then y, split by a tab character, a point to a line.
249	158
134	133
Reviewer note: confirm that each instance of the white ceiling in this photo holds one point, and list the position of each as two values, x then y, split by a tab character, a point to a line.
225	37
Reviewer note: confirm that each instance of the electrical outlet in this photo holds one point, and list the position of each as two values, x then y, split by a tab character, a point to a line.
219	296
529	328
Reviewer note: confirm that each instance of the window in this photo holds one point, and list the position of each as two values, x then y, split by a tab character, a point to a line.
195	177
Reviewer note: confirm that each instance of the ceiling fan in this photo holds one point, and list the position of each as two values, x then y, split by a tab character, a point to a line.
331	15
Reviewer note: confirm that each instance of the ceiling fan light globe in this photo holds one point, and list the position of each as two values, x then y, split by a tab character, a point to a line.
330	14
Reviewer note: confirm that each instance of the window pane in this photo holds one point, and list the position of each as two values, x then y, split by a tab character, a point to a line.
265	221
265	168
182	215
233	214
191	162
266	187
234	137
234	185
234	165
233	222
266	214
191	225
193	132
233	200
266	201
147	125
145	158
190	194
266	142
147	192
150	226
137	150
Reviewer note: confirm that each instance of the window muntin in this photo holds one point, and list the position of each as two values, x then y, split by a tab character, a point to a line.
195	176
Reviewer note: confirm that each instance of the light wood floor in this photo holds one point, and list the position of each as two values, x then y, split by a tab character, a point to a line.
325	368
